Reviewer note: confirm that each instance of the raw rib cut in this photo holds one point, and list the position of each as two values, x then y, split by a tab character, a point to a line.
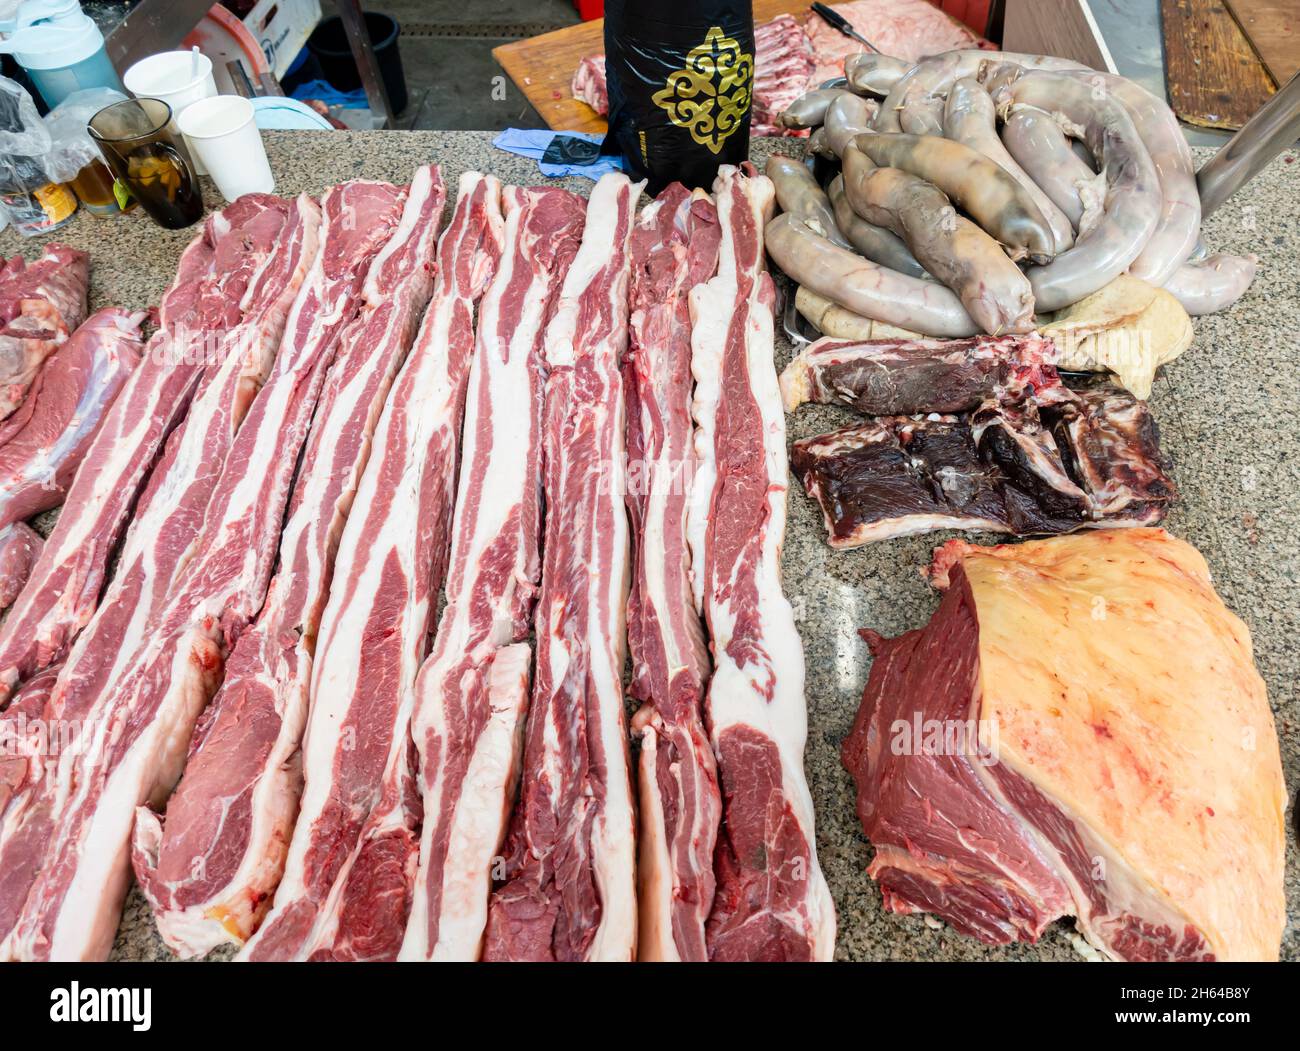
771	901
898	377
71	909
674	248
1062	740
203	302
40	304
569	891
351	864
1041	459
209	875
44	442
471	696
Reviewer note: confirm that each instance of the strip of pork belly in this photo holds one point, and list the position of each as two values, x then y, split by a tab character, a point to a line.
210	870
44	442
899	377
155	552
472	693
674	248
771	902
67	581
569	891
348	876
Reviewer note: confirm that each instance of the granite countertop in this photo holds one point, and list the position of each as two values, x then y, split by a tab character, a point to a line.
1229	410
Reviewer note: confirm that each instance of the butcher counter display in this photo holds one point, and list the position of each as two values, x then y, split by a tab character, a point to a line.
1227	443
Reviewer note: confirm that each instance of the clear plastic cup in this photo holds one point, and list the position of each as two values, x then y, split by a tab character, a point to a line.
223	133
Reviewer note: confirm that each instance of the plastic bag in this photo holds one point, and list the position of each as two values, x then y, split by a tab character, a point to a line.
71	147
681	86
32	201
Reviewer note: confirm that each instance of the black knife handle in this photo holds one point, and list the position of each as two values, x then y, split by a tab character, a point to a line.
834	19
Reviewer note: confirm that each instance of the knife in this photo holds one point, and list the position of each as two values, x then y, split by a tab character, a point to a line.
837	21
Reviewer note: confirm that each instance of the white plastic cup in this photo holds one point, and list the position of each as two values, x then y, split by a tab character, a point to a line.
222	134
179	78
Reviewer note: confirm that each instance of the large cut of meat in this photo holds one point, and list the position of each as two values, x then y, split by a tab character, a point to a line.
217	270
69	833
43	443
1079	731
40	304
674	248
898	377
351	864
1034	458
771	902
906	29
471	695
569	887
210	871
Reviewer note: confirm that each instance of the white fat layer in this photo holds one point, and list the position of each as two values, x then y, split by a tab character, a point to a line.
481	815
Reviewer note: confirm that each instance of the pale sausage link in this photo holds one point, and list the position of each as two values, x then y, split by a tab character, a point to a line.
952	249
1132	190
797	192
864	287
1213	283
871	73
1037	142
971	119
978	186
847	117
870	240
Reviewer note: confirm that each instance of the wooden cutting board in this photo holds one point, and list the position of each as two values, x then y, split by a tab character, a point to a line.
1273	28
1215	78
542	67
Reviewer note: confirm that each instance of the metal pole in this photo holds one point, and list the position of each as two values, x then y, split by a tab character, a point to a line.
1272	129
354	24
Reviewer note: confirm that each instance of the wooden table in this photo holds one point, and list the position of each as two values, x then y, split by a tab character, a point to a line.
542	67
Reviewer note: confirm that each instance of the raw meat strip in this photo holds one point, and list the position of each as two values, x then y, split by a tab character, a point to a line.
589	84
783	64
20	547
771	901
674	248
24	737
210	876
569	891
40	304
897	377
1042	748
67	580
351	864
44	442
52	817
472	693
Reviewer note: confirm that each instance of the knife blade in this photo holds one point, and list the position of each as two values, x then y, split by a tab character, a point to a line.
837	21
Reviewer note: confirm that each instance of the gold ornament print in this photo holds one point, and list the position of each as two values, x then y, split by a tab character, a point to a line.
711	95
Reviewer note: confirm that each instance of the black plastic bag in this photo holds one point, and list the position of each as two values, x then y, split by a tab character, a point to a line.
681	87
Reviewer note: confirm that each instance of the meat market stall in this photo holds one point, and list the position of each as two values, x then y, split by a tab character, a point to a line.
1226	411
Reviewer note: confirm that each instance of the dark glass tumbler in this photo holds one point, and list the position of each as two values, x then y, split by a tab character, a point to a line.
150	158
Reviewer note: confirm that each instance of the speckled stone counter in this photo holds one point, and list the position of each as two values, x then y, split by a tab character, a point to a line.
1229	410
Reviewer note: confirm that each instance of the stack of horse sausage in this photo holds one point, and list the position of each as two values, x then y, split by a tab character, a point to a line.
978	189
